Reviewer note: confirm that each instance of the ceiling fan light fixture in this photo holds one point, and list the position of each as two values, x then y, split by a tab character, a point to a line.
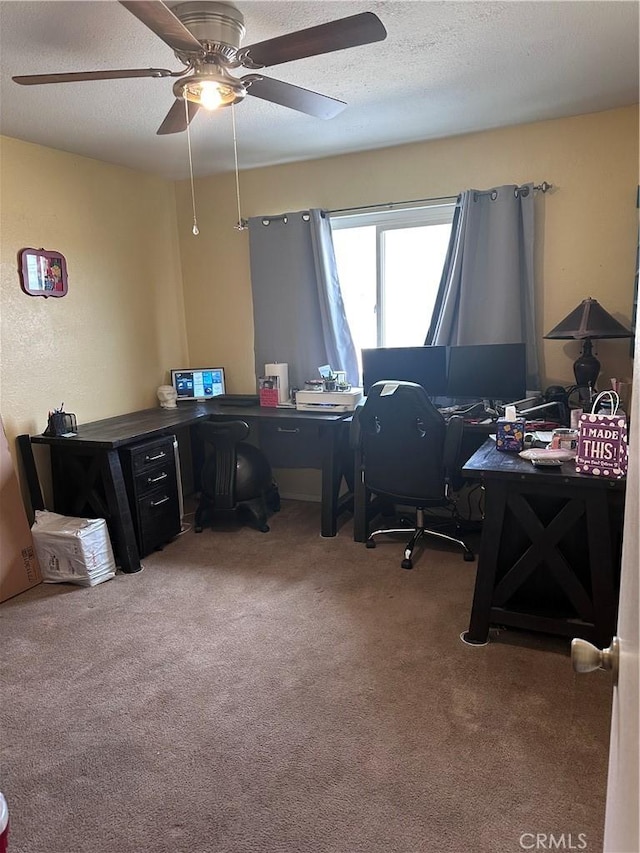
212	95
210	91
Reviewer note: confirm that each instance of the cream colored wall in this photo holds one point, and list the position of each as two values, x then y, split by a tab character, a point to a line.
105	347
587	227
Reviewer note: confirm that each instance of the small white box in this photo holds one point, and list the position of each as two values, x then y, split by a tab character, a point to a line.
73	550
328	401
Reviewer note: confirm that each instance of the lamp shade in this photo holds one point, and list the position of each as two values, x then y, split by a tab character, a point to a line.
588	320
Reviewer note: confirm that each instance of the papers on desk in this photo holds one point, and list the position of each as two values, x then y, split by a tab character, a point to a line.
546	457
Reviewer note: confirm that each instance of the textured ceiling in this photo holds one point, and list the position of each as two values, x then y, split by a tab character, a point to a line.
445	68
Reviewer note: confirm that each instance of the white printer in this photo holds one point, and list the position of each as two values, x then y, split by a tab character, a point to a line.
328	401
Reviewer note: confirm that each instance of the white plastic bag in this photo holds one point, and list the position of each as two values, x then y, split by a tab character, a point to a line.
73	550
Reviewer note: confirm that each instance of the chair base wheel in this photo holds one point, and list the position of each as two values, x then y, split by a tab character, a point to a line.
197	528
407	564
468	557
370	543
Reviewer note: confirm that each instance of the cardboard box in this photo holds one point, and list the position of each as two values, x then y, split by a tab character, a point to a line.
19	568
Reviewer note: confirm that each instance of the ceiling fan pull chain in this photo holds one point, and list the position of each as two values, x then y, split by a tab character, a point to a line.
195	230
241	225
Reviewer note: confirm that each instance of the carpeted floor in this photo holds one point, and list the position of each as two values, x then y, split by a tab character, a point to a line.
283	692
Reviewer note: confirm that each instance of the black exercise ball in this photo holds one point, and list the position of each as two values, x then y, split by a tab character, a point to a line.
253	473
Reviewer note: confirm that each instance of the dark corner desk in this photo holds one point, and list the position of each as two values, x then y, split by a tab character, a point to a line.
87	471
550	551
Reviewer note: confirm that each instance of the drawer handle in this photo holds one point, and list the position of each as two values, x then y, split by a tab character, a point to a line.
161	501
282	429
157	479
154	458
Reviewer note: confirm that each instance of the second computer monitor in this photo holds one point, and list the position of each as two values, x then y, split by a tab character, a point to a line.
427	366
487	372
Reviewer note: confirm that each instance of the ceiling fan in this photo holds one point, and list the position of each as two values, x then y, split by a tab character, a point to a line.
206	36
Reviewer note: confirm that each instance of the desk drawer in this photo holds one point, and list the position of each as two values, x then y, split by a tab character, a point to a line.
291	444
158	519
161	476
150	454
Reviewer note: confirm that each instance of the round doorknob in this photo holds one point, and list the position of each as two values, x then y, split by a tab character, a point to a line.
585	657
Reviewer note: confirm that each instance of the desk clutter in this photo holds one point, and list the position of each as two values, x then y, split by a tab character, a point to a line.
330	393
510	431
328	401
547	457
276	379
599	444
61	423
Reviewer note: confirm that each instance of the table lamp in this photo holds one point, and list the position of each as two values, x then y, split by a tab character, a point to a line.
586	322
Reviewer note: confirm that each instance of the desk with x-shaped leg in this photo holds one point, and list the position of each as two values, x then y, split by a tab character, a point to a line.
549	557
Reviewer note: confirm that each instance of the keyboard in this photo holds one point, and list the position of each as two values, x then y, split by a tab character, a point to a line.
243	400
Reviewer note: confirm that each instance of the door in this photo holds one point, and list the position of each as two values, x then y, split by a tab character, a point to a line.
621	832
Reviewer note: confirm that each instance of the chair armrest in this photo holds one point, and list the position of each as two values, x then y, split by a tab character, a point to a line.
452	445
354	427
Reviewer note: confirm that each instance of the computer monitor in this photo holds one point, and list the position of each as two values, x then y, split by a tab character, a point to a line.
427	366
487	372
202	383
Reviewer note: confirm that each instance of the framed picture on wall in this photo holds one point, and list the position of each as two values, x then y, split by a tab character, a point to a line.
42	273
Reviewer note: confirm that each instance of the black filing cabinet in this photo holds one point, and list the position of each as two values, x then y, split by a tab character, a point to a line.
150	475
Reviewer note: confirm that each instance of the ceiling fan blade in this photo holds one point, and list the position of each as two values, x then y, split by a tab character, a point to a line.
80	76
355	30
159	18
303	100
175	120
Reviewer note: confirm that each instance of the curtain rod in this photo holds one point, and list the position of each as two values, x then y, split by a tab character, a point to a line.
392	204
543	187
389	205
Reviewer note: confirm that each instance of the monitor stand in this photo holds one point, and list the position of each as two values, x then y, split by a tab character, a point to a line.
556	407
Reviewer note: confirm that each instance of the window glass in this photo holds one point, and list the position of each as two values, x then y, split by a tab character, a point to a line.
389	265
355	250
412	267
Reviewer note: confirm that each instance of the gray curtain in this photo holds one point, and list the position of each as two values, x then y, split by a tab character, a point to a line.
298	311
486	294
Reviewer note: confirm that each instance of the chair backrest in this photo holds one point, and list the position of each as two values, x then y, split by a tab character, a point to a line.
220	468
402	438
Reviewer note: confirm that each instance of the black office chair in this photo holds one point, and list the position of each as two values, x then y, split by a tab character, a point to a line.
409	454
236	476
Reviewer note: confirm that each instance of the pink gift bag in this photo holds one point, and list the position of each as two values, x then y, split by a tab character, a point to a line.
603	440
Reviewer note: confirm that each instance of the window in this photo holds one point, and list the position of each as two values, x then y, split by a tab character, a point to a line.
390	264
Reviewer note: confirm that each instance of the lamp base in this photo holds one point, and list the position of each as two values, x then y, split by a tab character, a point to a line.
586	368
